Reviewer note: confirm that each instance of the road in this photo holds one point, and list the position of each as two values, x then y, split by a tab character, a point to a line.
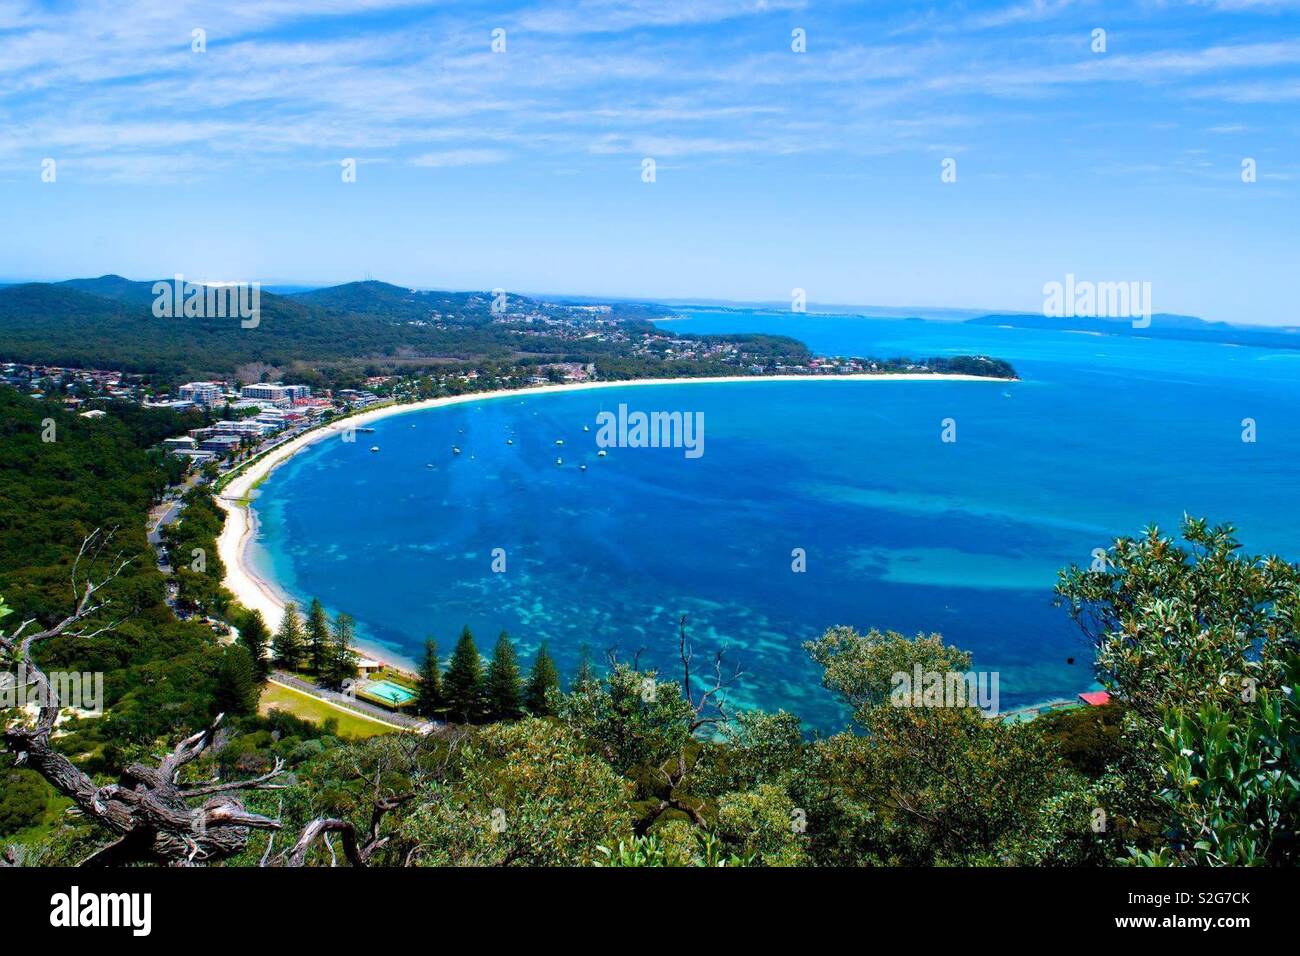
166	513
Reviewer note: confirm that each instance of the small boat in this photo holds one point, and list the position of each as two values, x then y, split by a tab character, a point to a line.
510	441
559	461
455	450
559	441
601	454
428	464
374	448
582	468
586	428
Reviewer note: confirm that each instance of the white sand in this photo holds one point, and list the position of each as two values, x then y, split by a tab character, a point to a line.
240	528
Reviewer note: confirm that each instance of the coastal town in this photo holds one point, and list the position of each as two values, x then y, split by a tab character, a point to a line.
239	417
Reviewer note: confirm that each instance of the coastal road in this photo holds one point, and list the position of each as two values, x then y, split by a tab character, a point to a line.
168	512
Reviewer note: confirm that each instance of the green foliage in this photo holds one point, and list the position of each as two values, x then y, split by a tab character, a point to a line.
24	797
527	793
340	663
290	639
543	688
237	689
754	748
99	474
630	718
1174	625
859	668
1088	739
429	703
463	682
254	636
584	674
763	825
318	636
191	546
1177	628
1232	781
674	844
504	688
924	785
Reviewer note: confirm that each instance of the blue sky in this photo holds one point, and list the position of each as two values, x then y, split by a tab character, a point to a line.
774	169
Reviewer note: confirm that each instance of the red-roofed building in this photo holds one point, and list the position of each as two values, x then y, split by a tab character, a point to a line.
1095	698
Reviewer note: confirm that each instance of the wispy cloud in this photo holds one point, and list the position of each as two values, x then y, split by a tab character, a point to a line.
460	157
290	80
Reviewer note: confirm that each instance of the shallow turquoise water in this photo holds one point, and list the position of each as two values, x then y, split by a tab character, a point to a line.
900	529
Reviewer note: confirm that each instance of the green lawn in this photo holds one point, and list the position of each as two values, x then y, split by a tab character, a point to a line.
302	705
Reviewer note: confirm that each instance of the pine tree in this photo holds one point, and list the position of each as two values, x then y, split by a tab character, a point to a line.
254	635
318	636
340	660
287	646
236	691
429	703
462	685
543	678
504	689
585	675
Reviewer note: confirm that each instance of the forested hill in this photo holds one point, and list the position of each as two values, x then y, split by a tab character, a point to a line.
337	335
63	477
108	322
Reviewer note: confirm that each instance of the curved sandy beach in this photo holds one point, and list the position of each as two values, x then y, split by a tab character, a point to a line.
240	529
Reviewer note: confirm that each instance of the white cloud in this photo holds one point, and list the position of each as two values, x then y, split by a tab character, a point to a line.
460	157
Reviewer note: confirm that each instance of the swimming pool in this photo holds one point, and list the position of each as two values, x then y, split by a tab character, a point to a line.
386	692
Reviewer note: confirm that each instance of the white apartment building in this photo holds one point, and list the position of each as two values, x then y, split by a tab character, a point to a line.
202	393
277	393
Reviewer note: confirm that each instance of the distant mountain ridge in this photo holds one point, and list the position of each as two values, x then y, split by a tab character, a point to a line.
1162	325
369	326
114	287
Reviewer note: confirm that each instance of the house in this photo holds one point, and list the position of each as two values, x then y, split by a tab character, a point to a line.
1095	698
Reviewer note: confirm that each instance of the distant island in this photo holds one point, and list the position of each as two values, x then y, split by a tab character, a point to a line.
1163	326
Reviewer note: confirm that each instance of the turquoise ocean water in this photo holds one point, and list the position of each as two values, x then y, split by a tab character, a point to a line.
901	530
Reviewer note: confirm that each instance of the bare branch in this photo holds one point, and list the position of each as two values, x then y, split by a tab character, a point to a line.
256	783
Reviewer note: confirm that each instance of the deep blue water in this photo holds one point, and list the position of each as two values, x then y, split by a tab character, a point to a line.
901	530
